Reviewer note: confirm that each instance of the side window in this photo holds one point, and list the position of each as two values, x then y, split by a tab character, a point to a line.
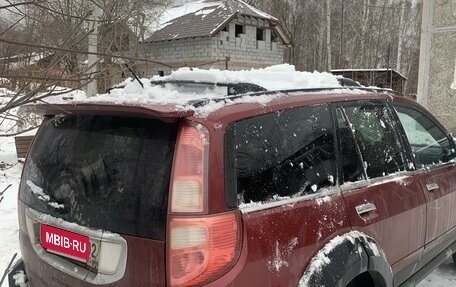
377	142
286	153
429	144
351	164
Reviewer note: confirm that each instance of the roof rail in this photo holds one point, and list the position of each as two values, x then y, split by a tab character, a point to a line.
204	101
346	82
232	88
238	90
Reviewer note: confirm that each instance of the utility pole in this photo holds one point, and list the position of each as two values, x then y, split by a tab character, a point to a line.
92	59
328	34
400	32
341	46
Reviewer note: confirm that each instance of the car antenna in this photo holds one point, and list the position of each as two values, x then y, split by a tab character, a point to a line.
134	75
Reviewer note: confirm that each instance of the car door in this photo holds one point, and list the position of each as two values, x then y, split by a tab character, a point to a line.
434	153
383	200
281	168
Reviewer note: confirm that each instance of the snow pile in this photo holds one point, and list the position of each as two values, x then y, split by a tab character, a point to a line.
9	229
275	78
278	77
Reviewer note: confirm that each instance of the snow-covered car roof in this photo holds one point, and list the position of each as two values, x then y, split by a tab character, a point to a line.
200	92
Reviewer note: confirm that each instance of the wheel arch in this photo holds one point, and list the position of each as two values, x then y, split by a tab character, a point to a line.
345	257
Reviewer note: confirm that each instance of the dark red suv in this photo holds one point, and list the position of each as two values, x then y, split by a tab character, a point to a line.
324	187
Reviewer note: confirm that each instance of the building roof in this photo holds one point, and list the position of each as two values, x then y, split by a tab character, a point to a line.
204	18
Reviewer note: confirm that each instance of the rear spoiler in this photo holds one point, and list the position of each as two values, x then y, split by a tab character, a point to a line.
163	112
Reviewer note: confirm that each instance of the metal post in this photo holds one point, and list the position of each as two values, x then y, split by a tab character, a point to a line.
227	59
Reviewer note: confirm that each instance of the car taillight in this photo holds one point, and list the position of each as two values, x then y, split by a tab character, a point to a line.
203	248
190	175
199	247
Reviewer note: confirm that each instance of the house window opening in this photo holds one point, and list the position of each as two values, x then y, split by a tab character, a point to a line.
240	29
261	34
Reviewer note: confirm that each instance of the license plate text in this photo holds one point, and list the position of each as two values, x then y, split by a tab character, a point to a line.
65	242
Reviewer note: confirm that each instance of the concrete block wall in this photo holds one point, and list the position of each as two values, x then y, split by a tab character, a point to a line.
244	51
437	72
245	48
177	53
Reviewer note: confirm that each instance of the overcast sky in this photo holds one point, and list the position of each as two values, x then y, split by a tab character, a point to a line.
5	15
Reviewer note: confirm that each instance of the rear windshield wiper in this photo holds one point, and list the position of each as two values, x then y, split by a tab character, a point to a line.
45	199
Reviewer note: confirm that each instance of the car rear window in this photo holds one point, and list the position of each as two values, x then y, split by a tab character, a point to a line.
109	173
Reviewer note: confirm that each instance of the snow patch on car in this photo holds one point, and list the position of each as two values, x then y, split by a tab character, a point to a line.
279	253
20	279
39	193
323	195
323	199
70	226
401	177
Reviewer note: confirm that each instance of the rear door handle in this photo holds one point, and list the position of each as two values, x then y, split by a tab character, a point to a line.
365	208
432	186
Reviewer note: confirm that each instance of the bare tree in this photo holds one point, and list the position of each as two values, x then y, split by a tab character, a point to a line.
45	45
400	33
367	32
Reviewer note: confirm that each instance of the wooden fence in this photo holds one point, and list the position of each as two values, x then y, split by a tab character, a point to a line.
22	145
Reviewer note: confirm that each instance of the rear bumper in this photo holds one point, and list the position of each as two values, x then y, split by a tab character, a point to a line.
17	274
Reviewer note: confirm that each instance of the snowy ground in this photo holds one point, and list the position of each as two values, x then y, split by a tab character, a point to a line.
444	276
9	176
